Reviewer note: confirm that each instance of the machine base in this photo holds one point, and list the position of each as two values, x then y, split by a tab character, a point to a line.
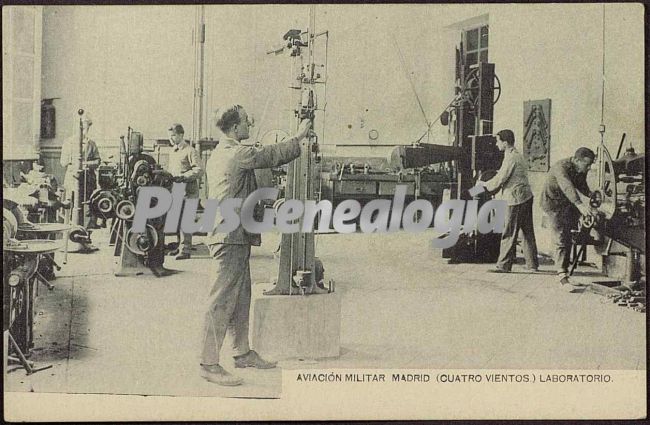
296	326
483	248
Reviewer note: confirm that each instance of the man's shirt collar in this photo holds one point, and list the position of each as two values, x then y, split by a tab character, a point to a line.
228	141
180	146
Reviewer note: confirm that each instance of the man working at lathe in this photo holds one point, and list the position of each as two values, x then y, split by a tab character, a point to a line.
561	202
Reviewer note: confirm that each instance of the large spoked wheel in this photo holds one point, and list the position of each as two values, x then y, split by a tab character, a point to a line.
607	191
472	89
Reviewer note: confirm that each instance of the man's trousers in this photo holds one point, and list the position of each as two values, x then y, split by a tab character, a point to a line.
185	243
561	223
185	239
88	185
228	303
520	217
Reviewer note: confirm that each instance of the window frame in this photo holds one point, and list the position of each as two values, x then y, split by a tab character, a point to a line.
479	48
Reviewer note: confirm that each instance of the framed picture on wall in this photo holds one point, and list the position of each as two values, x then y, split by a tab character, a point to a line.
537	134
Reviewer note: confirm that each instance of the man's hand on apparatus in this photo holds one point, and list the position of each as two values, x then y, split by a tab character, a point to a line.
30	200
303	129
179	179
586	210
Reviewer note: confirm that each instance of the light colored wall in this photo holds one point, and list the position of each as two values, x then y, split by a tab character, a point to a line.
366	80
124	65
555	51
133	65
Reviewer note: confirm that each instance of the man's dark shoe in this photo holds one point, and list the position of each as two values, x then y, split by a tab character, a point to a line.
252	359
183	256
569	286
218	375
498	270
88	248
161	271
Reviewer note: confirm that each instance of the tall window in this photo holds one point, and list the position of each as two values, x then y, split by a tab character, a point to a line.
475	42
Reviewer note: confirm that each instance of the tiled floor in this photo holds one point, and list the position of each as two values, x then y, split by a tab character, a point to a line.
402	307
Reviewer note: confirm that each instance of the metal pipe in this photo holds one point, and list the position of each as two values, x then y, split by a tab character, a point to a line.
620	146
199	55
80	188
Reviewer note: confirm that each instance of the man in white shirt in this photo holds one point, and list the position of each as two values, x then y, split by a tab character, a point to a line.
88	175
512	179
185	166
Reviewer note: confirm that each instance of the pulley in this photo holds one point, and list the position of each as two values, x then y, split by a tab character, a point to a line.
142	243
587	221
103	203
125	210
142	180
141	175
79	235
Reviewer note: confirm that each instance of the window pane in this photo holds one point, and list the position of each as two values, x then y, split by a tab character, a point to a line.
470	59
483	56
472	39
484	37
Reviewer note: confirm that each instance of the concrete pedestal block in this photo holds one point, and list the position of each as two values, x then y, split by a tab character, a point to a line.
295	326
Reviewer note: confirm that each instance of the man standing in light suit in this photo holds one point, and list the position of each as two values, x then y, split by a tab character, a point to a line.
231	174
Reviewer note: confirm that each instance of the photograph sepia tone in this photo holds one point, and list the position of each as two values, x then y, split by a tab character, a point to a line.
324	211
